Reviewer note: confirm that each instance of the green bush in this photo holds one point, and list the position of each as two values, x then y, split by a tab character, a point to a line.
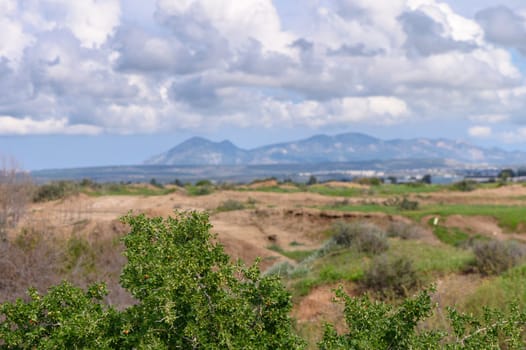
391	276
55	190
464	185
495	257
370	181
230	205
379	325
199	190
364	237
204	183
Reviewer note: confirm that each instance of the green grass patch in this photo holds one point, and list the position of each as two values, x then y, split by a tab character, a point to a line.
231	205
406	189
499	292
274	189
296	255
339	265
430	259
508	217
451	236
366	208
128	190
348	265
335	191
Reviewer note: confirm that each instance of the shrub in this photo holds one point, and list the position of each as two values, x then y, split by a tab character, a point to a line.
55	190
371	181
203	183
201	190
401	204
391	276
230	205
380	325
404	230
364	237
495	257
464	185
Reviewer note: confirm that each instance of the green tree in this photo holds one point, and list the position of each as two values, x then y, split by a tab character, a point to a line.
190	294
426	179
506	174
312	180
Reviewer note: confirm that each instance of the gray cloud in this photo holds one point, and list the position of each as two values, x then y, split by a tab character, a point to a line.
175	53
425	36
355	50
504	27
252	59
195	92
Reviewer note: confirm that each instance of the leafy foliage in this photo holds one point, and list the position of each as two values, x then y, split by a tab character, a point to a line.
191	296
65	318
379	325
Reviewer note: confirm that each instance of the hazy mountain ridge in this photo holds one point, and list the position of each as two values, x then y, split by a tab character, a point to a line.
348	147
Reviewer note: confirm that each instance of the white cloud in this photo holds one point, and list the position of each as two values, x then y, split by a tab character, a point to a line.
209	64
376	109
13	38
27	126
489	118
91	21
480	131
235	20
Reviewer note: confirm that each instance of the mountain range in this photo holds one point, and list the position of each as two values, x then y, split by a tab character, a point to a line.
347	147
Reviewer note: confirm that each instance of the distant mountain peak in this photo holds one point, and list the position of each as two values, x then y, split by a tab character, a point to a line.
321	148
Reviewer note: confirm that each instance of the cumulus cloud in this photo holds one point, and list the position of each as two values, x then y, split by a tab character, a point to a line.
88	67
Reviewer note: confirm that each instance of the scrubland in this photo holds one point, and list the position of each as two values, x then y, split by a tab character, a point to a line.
386	241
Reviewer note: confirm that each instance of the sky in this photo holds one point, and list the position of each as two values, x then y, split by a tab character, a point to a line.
91	82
